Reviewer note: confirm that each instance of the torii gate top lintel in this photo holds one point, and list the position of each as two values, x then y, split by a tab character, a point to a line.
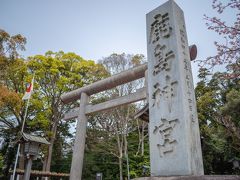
115	80
105	84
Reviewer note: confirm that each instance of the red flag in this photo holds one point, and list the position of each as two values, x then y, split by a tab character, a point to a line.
29	89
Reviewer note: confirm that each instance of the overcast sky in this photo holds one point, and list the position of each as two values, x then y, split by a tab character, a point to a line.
96	28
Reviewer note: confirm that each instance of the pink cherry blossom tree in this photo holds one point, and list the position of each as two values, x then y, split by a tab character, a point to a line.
228	51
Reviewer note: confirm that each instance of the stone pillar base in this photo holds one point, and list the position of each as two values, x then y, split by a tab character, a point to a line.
204	177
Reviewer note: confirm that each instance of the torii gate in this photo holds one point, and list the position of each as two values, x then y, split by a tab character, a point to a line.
174	133
86	109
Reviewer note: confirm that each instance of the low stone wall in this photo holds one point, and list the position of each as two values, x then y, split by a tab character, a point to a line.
205	177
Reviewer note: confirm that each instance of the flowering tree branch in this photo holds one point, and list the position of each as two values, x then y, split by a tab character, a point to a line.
228	52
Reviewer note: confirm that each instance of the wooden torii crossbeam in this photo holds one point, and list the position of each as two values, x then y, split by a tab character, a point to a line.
86	108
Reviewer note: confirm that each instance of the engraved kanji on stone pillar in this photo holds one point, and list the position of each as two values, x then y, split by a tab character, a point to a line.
160	27
175	147
165	93
167	142
162	59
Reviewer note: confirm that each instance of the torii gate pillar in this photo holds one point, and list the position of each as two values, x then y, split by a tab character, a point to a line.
79	144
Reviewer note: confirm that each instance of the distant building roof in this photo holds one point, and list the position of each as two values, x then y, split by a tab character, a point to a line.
143	113
30	138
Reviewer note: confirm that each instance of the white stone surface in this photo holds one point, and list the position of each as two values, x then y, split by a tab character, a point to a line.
175	147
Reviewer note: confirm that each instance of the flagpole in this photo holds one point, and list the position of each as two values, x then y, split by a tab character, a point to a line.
25	115
23	124
16	160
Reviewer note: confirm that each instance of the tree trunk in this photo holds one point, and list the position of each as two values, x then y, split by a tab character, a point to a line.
50	148
126	154
139	138
49	156
142	140
120	168
120	151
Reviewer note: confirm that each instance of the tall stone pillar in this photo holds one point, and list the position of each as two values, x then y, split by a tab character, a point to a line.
175	147
79	145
